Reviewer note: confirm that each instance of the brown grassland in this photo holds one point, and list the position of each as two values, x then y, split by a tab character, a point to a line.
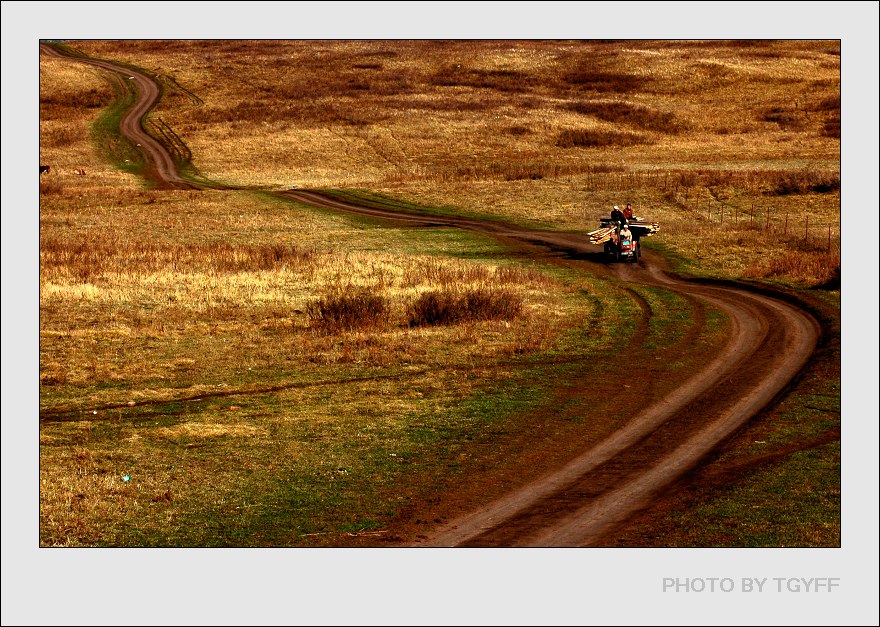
228	368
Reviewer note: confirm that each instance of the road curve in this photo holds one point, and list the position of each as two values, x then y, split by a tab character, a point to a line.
615	478
578	504
147	94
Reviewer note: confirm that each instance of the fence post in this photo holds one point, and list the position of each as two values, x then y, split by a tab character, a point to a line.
786	223
722	214
807	229
767	228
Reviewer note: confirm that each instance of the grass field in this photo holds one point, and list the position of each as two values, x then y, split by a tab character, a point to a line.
200	381
752	128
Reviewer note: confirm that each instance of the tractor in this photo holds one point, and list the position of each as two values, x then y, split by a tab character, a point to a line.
623	248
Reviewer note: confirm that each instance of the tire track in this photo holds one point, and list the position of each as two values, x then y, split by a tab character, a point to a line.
577	505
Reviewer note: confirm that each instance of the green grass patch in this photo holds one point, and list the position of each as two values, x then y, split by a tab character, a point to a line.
297	468
383	201
105	132
669	313
792	503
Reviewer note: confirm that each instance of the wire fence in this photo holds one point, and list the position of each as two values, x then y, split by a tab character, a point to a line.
768	219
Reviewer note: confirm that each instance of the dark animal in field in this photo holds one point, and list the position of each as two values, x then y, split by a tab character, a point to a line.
44	169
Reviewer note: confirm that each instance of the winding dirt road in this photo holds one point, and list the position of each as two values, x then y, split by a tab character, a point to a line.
580	503
147	94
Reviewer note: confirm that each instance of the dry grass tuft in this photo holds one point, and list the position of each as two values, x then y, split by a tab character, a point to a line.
812	269
502	80
202	430
444	307
518	130
634	115
48	188
593	138
831	103
338	312
831	127
804	182
604	81
786	118
89	258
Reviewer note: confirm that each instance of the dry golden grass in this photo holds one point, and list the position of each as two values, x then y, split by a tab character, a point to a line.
71	99
505	127
174	323
508	127
210	430
147	302
99	294
142	291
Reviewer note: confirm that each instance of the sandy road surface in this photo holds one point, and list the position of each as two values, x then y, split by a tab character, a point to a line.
577	504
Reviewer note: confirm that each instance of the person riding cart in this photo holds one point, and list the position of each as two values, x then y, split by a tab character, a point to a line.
617	217
625	233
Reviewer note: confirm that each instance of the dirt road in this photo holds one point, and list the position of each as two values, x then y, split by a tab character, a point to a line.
581	502
147	93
